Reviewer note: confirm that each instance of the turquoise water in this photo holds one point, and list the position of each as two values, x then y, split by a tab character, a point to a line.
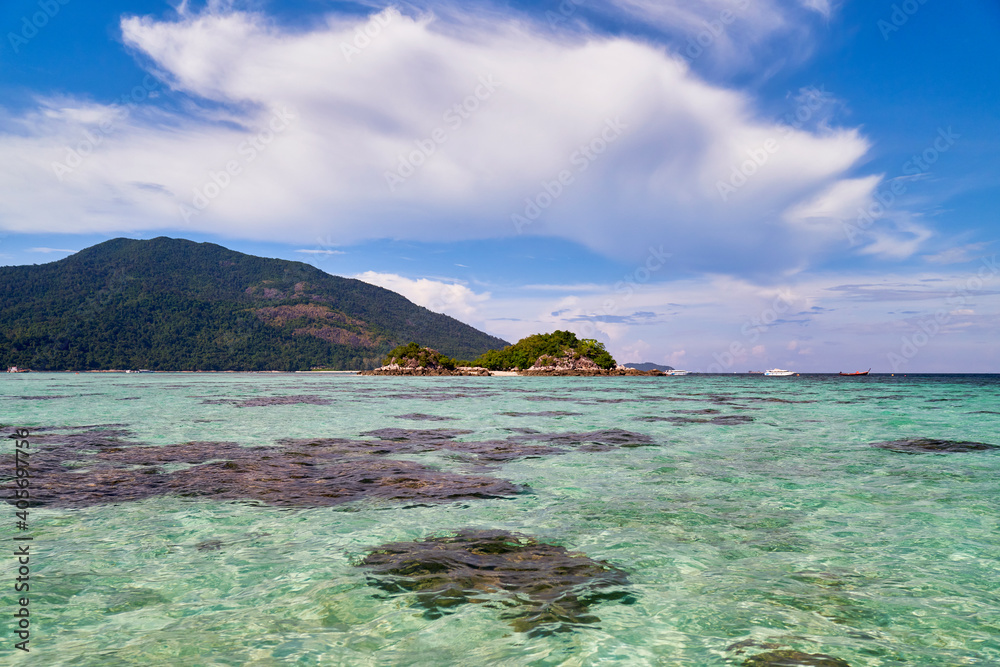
737	537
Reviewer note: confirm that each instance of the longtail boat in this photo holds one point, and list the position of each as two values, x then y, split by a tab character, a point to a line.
859	372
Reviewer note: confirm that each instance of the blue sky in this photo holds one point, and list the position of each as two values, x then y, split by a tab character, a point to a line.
720	185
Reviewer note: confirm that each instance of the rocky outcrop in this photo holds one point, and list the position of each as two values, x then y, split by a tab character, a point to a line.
565	362
599	371
397	369
575	365
423	361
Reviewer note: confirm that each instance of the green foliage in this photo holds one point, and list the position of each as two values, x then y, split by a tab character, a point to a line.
526	351
424	356
595	351
172	304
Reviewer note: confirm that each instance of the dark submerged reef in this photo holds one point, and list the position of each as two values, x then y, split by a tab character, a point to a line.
551	589
517	446
790	658
264	401
419	416
97	466
90	465
933	446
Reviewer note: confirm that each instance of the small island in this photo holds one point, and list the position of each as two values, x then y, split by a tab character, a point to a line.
559	353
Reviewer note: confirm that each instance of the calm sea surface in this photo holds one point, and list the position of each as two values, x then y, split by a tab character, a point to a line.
750	515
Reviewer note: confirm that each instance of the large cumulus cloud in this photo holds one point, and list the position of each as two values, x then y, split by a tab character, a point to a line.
421	130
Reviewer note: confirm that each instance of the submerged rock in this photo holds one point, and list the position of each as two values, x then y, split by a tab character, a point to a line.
298	474
419	416
91	465
731	420
416	434
523	445
209	545
720	420
933	446
606	438
551	588
790	658
284	481
263	401
544	413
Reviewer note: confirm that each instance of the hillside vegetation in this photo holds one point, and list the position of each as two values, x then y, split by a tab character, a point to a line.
172	304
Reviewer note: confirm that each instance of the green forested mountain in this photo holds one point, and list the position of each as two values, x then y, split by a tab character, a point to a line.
172	304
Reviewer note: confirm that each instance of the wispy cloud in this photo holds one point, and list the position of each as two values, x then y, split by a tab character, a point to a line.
52	250
318	251
639	317
731	35
958	254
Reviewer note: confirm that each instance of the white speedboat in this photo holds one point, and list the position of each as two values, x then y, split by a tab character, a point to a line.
778	372
675	372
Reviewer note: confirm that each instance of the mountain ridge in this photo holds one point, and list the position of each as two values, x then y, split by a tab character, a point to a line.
174	304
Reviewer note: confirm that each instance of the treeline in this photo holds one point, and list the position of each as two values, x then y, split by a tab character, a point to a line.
521	355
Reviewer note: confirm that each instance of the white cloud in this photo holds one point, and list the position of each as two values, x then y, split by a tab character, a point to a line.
676	358
634	353
450	298
840	201
900	241
730	34
52	250
957	255
318	251
351	119
820	6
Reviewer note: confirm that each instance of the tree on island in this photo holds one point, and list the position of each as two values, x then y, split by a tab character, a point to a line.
558	344
414	356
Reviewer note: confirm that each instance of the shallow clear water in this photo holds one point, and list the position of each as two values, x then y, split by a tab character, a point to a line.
790	530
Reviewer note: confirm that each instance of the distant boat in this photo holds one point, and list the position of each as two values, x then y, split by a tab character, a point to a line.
859	372
675	372
778	372
755	372
15	369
